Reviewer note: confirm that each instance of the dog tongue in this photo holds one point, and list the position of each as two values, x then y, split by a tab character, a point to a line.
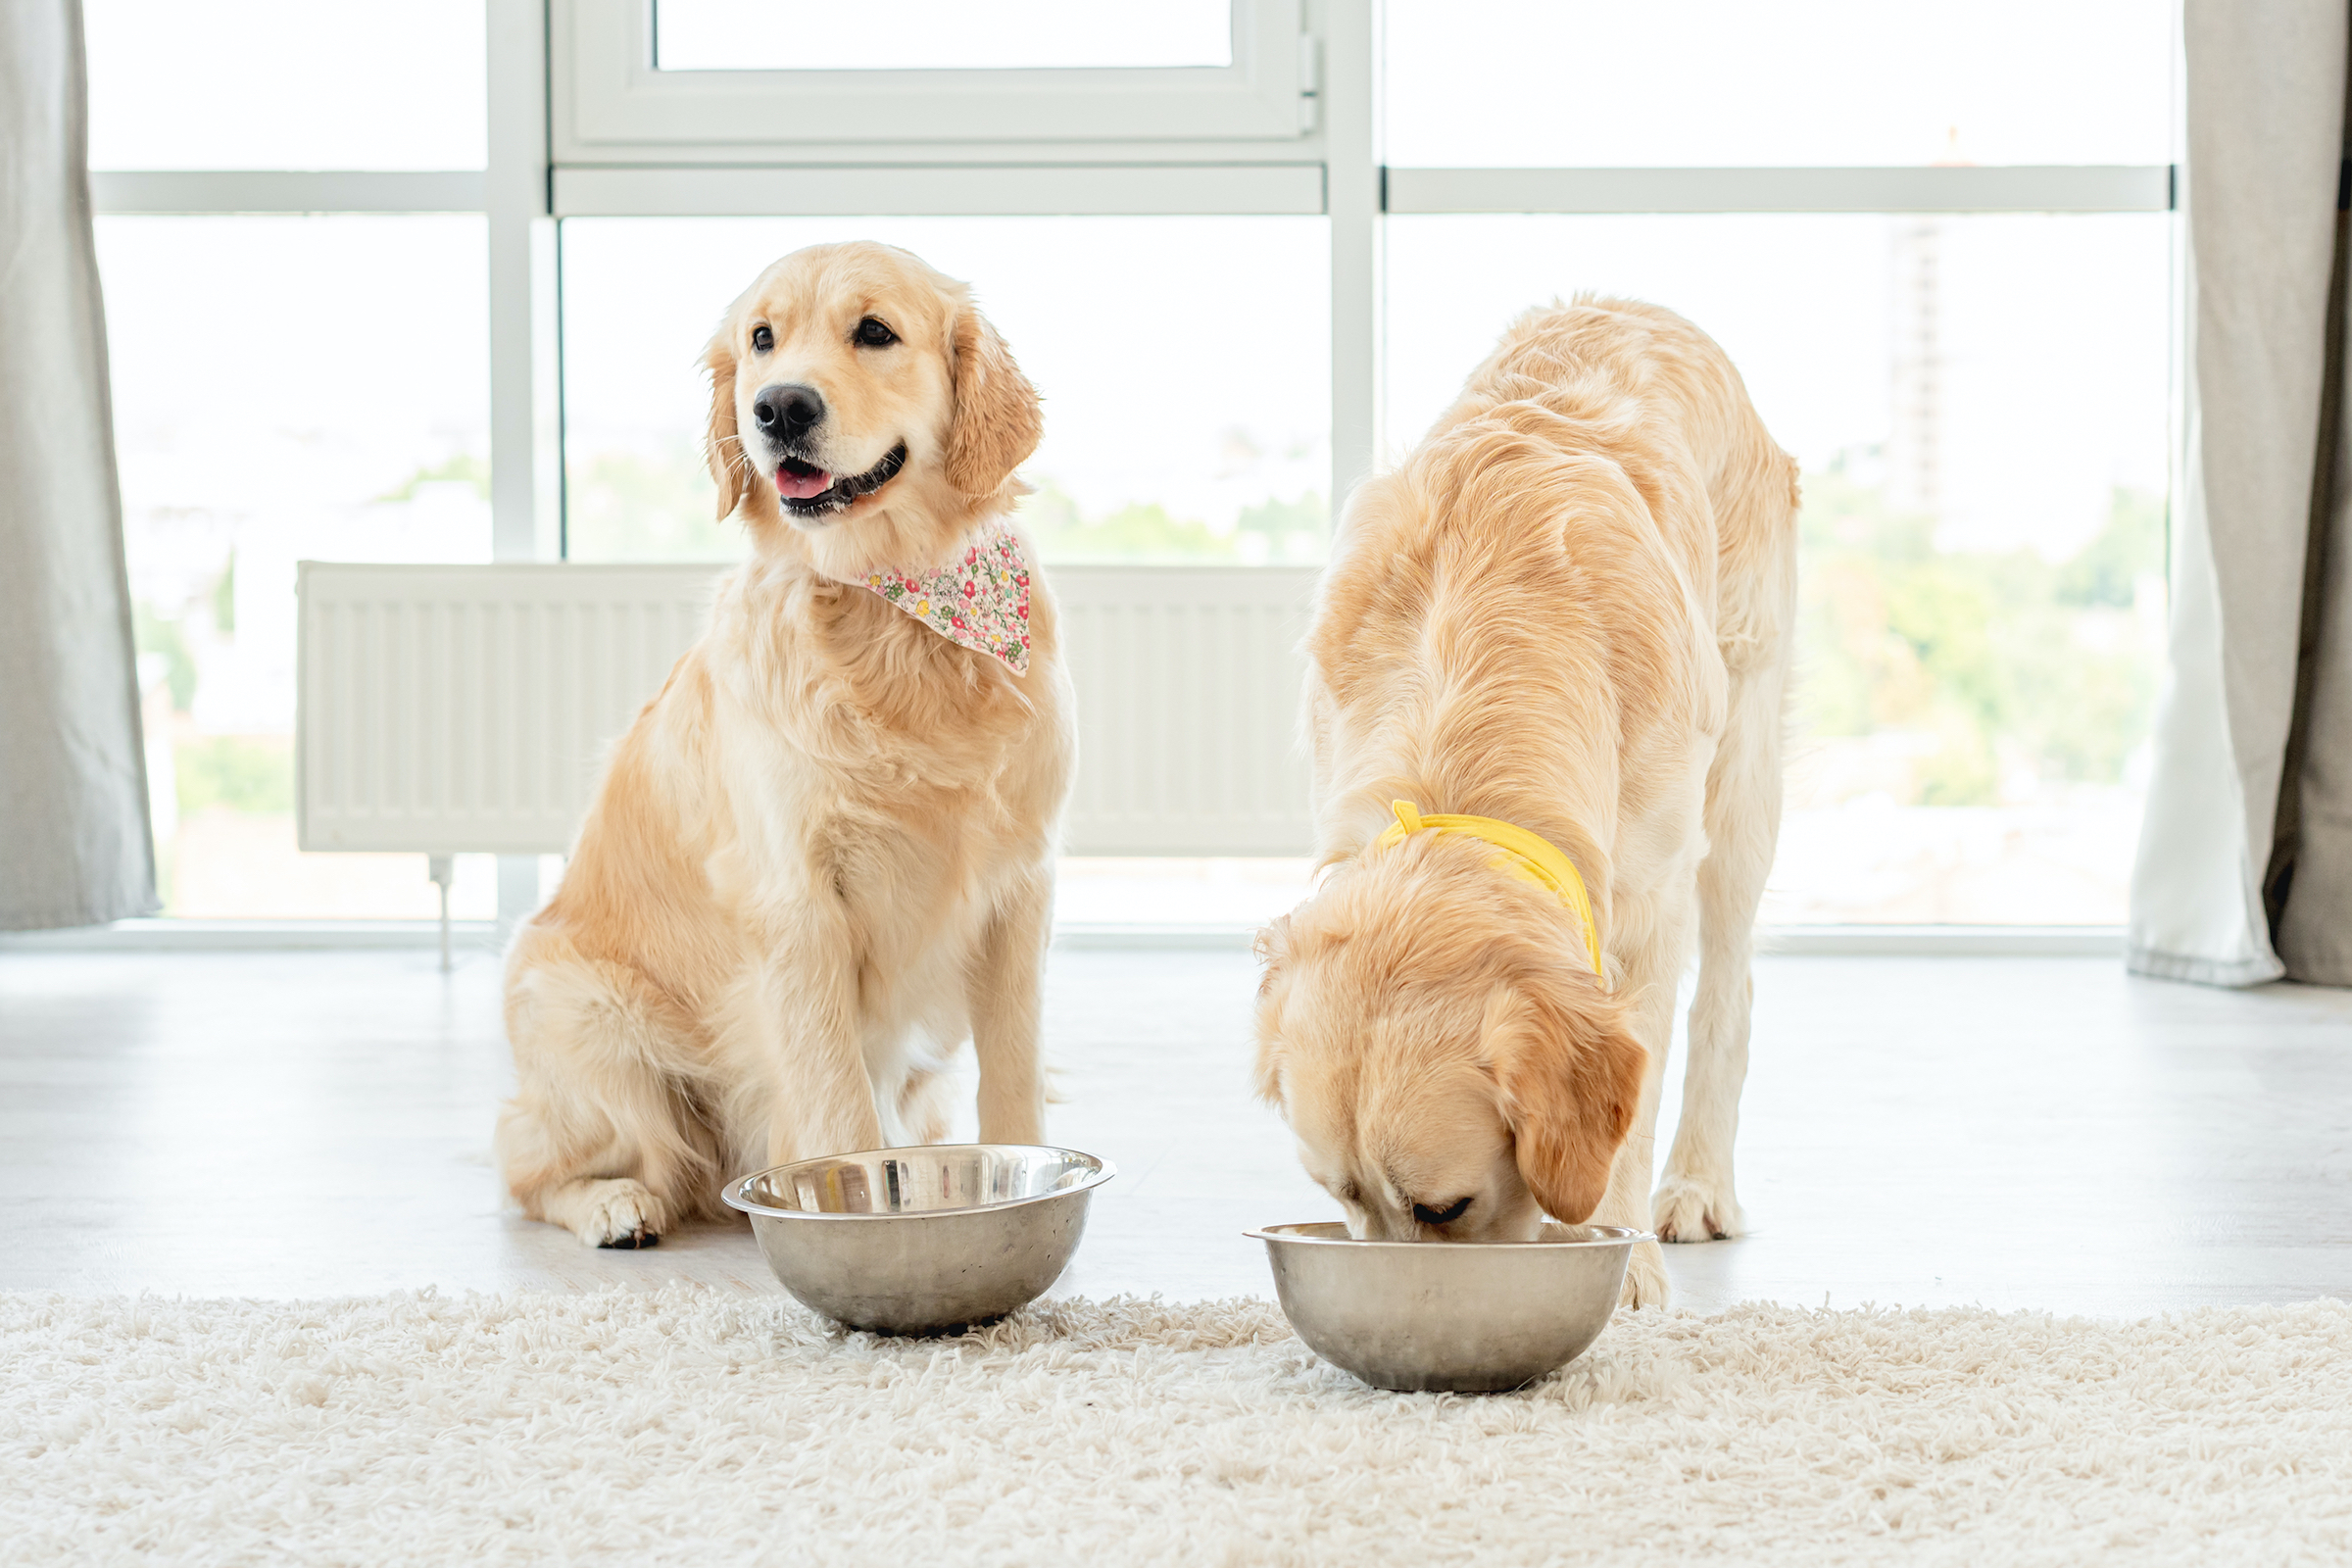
798	486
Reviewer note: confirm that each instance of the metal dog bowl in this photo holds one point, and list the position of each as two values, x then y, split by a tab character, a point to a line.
1459	1316
913	1241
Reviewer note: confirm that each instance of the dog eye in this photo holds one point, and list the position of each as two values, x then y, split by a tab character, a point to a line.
875	334
763	339
1452	1211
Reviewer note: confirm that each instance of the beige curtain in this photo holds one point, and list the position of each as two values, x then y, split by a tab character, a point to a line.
73	838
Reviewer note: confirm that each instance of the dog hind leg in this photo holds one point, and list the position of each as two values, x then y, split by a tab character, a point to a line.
600	1138
1696	1200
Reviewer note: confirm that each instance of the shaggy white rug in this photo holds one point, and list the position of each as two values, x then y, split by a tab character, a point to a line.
691	1427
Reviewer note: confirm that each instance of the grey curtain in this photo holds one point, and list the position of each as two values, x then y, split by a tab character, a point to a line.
2244	870
74	847
2308	892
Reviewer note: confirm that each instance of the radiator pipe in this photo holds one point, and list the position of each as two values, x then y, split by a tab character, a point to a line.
438	868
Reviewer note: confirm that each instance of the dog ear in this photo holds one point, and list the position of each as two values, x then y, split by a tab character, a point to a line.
1265	1075
997	421
1569	1072
1272	948
722	449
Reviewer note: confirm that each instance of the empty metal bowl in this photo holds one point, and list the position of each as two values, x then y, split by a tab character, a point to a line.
914	1241
1472	1317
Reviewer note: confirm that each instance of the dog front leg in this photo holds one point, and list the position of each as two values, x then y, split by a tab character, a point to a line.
1004	991
807	1071
1627	1201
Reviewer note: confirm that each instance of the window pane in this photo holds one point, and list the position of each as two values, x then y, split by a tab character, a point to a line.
938	34
1979	405
284	389
285	84
1536	83
1184	361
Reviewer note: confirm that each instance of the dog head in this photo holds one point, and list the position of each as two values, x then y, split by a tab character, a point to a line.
1451	1066
860	403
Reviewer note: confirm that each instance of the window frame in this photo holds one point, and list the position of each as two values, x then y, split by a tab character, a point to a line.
611	103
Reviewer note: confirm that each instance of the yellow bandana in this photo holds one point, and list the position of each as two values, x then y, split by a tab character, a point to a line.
1529	857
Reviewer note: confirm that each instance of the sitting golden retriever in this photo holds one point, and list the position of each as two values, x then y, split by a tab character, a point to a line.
822	857
1545	701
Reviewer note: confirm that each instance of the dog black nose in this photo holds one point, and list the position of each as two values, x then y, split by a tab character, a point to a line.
787	410
1440	1213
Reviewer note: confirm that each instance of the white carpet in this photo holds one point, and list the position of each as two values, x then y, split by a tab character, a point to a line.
692	1427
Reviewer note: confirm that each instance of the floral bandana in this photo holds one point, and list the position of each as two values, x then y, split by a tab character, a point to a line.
980	603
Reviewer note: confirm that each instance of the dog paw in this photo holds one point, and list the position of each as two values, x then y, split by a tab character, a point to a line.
622	1214
1695	1209
1645	1277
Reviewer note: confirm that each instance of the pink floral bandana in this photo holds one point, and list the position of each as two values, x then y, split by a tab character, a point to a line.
980	603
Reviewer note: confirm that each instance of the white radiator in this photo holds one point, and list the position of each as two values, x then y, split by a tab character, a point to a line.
459	708
450	710
1188	685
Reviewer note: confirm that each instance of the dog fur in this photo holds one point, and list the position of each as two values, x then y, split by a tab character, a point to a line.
1571	609
822	857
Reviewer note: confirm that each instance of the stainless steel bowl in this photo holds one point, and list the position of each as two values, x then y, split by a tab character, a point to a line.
1461	1316
913	1241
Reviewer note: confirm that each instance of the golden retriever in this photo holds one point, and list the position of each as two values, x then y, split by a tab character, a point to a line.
822	857
1570	611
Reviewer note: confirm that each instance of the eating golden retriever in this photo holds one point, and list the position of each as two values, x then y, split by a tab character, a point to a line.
1545	696
822	857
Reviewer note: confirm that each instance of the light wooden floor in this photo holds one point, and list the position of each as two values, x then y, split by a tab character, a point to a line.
2034	1132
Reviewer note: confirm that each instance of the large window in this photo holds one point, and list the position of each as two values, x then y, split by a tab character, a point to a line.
443	280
